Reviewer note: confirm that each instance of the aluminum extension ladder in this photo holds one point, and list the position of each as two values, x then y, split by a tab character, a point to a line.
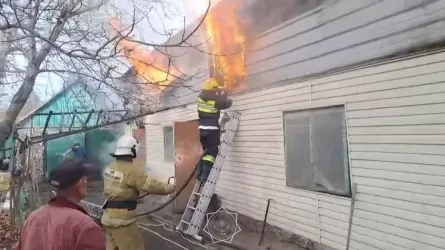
202	198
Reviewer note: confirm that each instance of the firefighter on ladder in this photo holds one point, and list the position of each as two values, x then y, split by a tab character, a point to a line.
122	183
211	101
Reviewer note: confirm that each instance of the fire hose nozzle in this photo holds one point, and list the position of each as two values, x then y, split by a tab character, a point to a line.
171	178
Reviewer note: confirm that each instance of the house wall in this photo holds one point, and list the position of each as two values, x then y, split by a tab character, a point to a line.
394	116
155	141
396	141
335	35
141	159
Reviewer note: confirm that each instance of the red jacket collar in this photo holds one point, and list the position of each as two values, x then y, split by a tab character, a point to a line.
60	201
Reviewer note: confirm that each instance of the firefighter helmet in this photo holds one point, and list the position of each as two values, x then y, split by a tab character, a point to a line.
126	145
210	84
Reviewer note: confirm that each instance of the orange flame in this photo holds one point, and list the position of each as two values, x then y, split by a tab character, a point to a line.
228	44
152	68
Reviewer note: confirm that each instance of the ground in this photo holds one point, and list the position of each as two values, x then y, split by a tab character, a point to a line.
156	235
158	231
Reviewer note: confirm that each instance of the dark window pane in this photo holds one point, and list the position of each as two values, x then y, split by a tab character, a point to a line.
328	149
168	143
316	150
298	170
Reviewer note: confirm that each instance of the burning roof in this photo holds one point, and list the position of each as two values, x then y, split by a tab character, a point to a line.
221	39
227	43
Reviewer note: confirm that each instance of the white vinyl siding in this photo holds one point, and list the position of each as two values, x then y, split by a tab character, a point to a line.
343	33
156	163
396	129
396	135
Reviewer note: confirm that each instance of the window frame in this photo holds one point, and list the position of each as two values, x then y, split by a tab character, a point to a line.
346	153
164	129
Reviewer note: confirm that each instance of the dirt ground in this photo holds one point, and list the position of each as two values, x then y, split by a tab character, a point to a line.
156	235
158	230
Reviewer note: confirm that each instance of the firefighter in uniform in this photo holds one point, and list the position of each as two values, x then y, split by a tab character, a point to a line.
122	183
211	100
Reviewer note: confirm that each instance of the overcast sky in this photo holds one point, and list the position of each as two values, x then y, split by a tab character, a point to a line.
176	10
166	13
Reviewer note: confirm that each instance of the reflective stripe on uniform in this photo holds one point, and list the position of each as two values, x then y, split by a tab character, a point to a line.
208	127
209	158
207	106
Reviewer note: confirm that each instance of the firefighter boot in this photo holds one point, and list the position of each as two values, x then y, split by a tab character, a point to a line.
205	172
199	171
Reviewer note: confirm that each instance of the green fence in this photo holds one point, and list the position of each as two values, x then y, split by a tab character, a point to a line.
98	143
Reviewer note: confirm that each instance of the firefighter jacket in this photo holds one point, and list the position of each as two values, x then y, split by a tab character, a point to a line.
122	182
210	102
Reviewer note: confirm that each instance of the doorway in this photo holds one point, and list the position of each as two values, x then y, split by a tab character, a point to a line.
188	150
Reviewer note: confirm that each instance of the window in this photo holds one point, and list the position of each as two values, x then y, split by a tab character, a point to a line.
168	144
316	150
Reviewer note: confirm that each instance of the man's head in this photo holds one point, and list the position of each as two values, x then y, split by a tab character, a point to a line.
76	146
70	178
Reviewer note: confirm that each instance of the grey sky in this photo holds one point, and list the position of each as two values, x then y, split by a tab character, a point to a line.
165	13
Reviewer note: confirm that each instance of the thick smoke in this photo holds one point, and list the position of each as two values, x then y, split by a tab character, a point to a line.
108	146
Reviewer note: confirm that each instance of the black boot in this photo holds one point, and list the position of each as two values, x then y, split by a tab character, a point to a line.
205	172
199	171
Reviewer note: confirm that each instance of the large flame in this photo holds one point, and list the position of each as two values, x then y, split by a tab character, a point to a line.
227	44
152	68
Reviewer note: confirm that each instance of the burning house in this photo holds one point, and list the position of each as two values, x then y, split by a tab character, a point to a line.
343	94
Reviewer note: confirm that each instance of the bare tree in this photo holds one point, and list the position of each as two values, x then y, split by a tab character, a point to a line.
66	37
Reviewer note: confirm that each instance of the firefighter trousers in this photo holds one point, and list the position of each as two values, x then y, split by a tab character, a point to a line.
210	140
124	238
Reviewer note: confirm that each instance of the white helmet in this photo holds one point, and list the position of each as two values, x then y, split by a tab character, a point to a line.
126	145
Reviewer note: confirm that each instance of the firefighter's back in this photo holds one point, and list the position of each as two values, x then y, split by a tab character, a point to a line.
118	178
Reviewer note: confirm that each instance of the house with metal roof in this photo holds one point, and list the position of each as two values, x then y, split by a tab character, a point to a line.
75	108
342	126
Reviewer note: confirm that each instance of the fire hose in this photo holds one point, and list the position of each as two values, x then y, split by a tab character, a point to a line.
176	195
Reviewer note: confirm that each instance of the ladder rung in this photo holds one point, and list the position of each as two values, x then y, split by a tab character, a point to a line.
185	222
198	194
190	207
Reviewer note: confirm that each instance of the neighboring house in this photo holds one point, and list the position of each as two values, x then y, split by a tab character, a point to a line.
79	98
317	119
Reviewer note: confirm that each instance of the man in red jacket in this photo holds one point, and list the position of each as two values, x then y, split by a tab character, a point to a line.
62	223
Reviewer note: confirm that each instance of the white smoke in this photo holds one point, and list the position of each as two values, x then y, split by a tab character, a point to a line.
108	147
